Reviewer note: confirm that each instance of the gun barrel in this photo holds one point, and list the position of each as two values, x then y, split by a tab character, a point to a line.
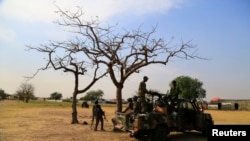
120	113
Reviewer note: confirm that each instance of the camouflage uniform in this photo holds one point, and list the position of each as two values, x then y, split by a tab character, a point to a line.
136	105
128	112
174	93
98	114
141	94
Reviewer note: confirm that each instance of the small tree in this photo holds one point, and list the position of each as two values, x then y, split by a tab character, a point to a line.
56	96
25	92
191	88
3	95
93	95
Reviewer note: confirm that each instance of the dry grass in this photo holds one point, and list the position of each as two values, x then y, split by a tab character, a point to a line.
38	122
230	117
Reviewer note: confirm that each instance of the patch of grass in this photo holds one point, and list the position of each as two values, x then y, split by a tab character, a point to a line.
35	103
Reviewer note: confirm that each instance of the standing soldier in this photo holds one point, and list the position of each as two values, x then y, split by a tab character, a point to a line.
141	94
98	114
174	93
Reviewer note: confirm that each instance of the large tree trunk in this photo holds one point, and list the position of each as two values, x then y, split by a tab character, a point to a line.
27	100
119	98
74	111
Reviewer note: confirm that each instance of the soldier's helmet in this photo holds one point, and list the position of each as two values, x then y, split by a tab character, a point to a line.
174	82
145	78
135	98
96	101
129	100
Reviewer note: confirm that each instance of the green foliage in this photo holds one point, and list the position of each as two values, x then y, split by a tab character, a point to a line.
3	95
93	95
56	96
190	88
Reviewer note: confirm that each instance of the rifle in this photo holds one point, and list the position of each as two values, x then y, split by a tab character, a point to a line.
92	121
104	116
93	117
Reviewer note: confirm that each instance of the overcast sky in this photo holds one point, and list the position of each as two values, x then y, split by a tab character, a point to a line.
219	28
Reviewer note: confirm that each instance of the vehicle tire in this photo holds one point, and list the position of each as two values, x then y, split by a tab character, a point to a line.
143	134
160	133
205	130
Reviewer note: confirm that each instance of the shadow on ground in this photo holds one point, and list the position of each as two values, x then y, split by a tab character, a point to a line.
187	136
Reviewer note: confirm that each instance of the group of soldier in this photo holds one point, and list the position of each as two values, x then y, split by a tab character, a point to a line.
142	91
137	104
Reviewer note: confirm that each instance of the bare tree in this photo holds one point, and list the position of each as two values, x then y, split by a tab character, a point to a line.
122	52
25	92
71	61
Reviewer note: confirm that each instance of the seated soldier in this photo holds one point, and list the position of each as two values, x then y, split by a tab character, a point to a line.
128	112
136	105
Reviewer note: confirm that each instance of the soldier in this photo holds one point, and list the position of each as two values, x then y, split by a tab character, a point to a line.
98	114
141	94
136	105
174	93
128	112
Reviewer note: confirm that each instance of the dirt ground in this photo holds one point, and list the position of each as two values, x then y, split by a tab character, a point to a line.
54	124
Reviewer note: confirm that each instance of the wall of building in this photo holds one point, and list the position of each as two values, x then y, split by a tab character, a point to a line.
232	104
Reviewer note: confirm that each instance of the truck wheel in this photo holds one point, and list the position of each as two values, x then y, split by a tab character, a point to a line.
205	130
143	134
160	133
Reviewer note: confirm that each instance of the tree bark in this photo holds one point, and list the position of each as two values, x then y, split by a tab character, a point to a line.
74	111
119	98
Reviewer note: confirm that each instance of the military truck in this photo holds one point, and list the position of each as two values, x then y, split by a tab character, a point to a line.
156	124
